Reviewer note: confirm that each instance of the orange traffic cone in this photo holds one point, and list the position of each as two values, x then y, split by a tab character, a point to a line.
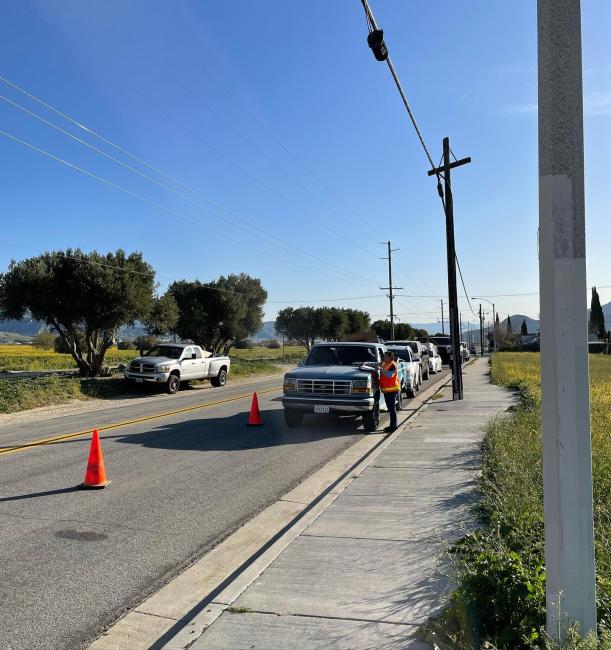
254	419
95	476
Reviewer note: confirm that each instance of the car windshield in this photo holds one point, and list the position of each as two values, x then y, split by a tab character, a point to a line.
402	353
169	351
341	355
414	346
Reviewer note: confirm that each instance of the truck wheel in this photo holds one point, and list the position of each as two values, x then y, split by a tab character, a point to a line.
173	384
293	417
425	375
220	379
411	392
371	419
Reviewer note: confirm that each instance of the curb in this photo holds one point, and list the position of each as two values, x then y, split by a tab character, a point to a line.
176	615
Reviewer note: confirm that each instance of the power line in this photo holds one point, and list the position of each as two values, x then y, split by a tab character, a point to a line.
182	196
165	175
286	149
145	199
463	284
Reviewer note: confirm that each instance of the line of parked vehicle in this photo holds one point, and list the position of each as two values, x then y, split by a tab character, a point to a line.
343	377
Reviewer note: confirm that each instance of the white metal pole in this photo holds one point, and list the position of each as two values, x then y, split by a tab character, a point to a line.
567	458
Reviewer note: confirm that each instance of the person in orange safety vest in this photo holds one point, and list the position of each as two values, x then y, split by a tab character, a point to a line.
390	386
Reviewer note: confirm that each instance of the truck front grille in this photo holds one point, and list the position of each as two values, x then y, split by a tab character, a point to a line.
324	386
144	368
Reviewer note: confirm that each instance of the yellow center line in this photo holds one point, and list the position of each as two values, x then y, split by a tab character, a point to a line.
67	436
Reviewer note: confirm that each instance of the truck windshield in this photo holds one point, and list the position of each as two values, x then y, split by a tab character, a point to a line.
341	355
165	351
441	340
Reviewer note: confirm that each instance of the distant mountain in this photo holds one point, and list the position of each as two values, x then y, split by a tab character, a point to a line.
12	337
25	327
431	328
516	323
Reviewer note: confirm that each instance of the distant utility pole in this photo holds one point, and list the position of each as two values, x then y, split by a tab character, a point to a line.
444	170
481	332
443	329
567	454
390	288
493	318
460	321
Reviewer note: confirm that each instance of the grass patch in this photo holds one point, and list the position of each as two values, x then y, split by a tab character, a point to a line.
251	367
500	569
438	395
291	353
22	394
239	610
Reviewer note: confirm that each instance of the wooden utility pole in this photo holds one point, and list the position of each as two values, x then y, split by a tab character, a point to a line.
457	388
390	288
567	454
481	332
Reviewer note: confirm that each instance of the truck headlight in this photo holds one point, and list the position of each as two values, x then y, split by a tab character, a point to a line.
361	386
289	384
162	368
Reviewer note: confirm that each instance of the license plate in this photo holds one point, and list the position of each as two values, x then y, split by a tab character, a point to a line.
139	381
321	408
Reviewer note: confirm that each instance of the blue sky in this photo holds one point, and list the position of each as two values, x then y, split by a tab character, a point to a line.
278	114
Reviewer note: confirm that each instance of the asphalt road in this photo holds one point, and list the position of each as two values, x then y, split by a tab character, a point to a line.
72	561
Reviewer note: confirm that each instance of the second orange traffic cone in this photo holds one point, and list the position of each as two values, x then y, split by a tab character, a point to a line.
95	476
254	419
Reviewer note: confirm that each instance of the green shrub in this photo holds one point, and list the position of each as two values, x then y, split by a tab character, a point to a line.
44	340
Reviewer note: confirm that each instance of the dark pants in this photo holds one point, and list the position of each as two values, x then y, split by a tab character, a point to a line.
391	403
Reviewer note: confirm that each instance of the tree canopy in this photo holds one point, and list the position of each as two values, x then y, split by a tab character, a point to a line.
217	314
163	315
307	324
403	331
84	297
524	328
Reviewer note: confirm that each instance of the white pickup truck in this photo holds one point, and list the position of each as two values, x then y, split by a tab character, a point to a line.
173	363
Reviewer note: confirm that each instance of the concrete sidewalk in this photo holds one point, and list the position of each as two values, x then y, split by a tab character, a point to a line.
365	574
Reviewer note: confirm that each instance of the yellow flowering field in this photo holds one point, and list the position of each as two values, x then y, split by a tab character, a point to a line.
27	357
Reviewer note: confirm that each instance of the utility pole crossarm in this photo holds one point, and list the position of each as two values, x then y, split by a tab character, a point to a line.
440	170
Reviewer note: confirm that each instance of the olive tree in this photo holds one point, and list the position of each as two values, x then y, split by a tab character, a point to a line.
84	297
307	324
217	314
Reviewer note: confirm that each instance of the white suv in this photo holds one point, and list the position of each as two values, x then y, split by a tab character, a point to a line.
419	353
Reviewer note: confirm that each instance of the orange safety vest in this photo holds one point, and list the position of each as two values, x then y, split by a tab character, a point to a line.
390	384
